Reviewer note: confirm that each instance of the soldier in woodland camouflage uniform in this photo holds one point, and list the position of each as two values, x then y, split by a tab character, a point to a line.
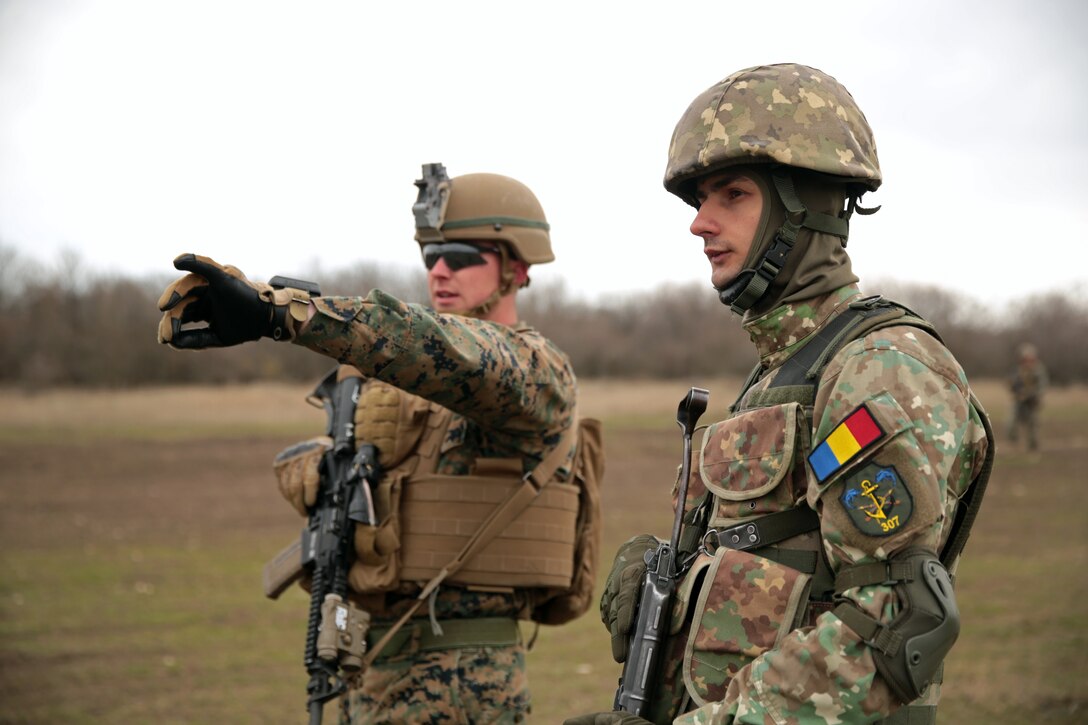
815	594
1027	383
502	390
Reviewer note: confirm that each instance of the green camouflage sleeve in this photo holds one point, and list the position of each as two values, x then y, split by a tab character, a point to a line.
927	445
513	382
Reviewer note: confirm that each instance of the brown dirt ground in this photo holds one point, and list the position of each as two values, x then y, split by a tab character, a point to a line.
131	497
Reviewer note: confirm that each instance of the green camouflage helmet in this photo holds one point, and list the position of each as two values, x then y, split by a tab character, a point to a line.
786	114
494	207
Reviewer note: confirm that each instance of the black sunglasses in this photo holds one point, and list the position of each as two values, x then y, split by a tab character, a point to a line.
458	255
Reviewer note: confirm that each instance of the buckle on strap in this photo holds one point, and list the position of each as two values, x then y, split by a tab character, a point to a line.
741	537
776	254
769	529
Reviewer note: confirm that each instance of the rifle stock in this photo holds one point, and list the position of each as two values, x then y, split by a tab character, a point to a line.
647	642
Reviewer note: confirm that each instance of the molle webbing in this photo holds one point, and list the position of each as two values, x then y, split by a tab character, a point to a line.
520	497
377	420
440	513
429	448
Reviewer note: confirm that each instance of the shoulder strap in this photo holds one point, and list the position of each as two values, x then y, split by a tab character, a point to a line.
532	483
800	374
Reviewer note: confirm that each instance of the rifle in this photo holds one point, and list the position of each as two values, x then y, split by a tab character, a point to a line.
336	630
658	584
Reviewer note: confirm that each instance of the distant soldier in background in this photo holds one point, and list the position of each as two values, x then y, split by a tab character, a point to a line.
1027	383
461	400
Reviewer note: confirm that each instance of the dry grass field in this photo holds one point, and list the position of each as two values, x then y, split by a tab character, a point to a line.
134	524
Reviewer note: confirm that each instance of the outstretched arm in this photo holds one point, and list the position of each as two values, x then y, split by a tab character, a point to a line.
513	382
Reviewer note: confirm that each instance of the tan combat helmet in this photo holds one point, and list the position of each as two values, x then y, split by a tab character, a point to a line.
486	207
785	116
490	206
483	207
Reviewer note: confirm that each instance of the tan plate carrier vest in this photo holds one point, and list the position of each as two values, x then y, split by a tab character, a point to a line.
494	528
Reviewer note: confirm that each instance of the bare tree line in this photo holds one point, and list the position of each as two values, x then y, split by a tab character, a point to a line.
72	326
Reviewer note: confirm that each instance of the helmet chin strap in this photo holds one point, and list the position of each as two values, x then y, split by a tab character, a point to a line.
746	289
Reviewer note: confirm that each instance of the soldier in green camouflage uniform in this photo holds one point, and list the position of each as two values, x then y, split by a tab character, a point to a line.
511	393
1027	383
816	594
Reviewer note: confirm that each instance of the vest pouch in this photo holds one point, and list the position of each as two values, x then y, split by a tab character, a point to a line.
689	587
377	562
746	605
390	419
407	431
440	513
748	456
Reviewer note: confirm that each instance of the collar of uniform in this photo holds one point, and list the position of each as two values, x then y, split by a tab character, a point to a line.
780	332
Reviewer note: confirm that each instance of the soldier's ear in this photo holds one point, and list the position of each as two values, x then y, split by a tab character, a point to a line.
521	272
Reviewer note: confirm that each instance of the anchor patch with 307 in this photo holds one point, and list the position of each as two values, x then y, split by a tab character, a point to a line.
876	499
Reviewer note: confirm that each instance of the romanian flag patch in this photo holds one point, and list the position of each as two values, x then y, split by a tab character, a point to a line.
858	432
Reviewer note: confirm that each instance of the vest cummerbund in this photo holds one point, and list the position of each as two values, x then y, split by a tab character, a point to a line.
440	513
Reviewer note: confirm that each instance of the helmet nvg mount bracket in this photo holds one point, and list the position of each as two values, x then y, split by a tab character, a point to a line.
430	206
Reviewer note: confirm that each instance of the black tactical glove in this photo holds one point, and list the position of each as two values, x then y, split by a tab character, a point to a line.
236	309
607	718
620	597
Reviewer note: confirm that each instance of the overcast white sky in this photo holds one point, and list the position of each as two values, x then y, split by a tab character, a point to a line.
285	136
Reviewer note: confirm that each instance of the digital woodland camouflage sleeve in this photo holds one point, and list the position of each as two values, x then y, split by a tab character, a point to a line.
929	447
511	381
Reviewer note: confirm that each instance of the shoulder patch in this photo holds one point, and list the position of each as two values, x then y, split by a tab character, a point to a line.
858	432
876	500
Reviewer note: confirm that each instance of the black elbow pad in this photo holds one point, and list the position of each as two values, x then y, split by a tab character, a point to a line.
910	649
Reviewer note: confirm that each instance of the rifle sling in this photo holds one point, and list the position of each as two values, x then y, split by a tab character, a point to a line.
497	521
